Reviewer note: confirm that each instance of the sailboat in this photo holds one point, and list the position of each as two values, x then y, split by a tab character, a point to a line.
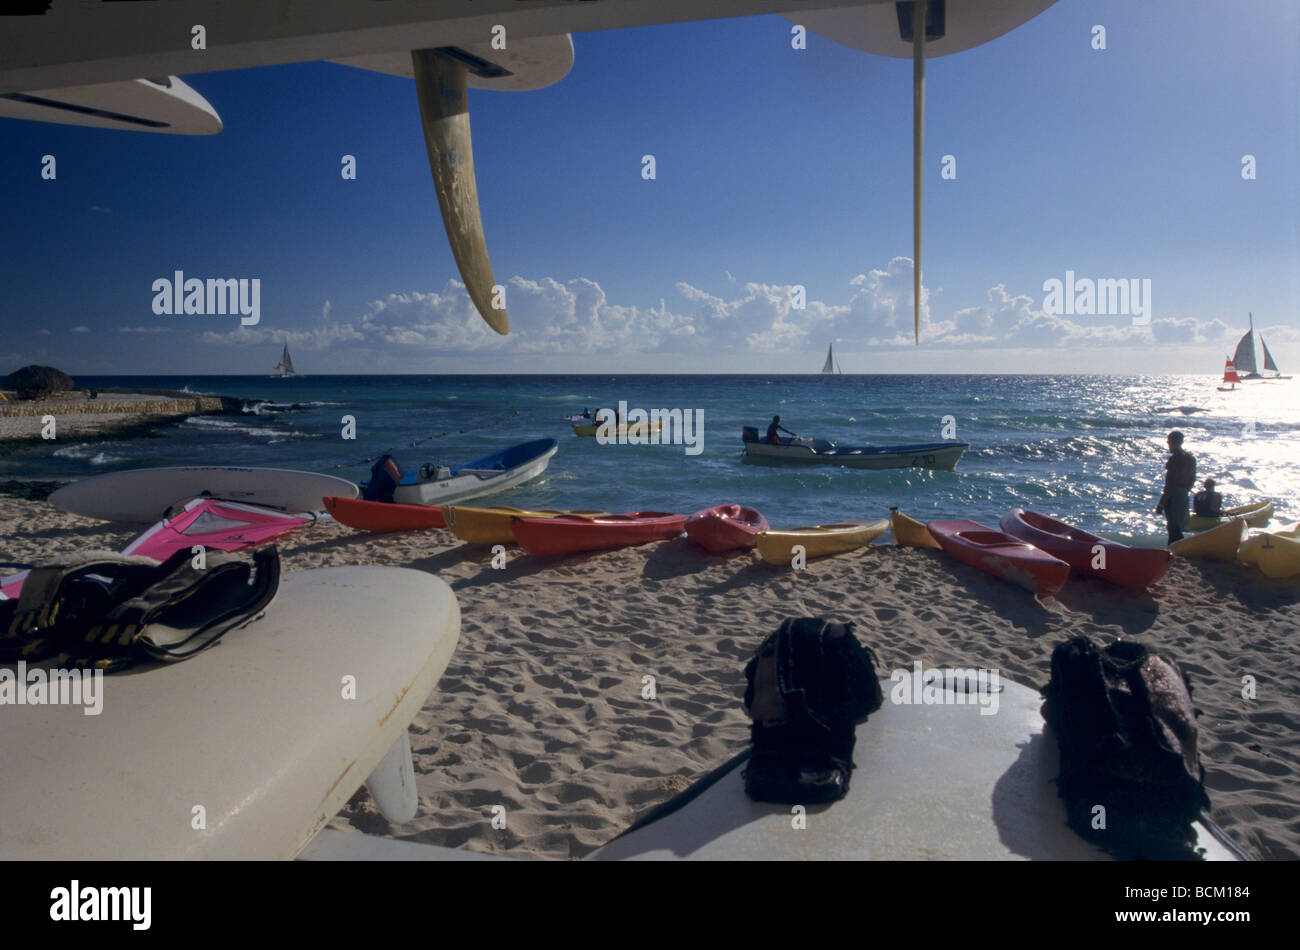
284	369
1244	358
830	368
1230	377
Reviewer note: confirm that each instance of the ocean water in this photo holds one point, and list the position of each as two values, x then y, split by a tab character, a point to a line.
1088	449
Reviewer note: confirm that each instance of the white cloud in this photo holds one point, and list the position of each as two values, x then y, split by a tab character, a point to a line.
144	330
81	329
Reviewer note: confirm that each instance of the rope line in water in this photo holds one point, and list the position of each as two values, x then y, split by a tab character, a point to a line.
437	435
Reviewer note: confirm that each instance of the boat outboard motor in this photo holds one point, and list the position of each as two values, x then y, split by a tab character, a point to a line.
385	476
433	472
750	434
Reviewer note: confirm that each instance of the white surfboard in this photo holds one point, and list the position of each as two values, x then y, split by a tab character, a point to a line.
938	782
165	105
257	732
143	495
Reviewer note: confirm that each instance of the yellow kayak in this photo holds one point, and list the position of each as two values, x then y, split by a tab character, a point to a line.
1257	514
1220	543
492	525
777	547
638	429
1276	554
910	533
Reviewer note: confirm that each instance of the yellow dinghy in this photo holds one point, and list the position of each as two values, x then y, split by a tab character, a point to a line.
1220	543
1257	514
637	429
910	533
492	525
777	547
1276	554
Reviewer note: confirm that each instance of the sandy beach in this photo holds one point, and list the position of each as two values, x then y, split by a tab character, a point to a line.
541	708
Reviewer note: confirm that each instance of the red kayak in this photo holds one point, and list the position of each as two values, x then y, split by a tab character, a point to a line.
383	515
725	528
1115	562
1001	555
571	534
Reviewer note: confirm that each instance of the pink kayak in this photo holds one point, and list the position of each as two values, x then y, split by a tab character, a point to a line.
1114	562
1001	555
570	534
210	522
725	528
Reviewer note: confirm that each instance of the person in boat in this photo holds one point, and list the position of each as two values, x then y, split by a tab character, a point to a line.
1180	479
586	413
777	427
1208	503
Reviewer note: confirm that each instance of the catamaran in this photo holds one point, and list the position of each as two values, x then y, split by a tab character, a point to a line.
1244	358
830	368
284	369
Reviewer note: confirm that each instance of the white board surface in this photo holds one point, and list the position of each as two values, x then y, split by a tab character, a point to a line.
144	495
938	782
166	105
256	731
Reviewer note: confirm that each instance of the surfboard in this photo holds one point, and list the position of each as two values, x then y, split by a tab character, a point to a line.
933	782
180	762
145	494
166	105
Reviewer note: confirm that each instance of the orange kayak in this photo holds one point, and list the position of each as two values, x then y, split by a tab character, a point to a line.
1001	555
383	516
571	534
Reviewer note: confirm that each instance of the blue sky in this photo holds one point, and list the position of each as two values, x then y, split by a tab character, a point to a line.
775	167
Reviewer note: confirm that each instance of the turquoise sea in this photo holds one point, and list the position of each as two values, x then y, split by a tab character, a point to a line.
1088	449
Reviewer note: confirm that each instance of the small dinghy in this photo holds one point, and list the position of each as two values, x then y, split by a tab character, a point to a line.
1087	553
1001	555
725	528
439	485
936	455
573	534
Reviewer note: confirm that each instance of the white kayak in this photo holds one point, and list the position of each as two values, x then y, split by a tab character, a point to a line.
144	495
257	731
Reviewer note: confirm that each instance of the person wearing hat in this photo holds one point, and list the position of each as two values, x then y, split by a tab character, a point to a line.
1180	479
1208	503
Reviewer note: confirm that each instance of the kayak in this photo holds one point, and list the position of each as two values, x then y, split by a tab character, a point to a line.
1001	555
1257	514
777	547
383	515
492	525
725	528
1276	554
910	533
1087	553
573	534
1220	543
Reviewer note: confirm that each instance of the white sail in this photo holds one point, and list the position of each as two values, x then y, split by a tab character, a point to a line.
830	360
1244	358
285	366
1269	365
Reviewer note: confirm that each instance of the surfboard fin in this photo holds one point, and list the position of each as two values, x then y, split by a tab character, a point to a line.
440	85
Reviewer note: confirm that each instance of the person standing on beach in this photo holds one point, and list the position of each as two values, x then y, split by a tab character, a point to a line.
1180	479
